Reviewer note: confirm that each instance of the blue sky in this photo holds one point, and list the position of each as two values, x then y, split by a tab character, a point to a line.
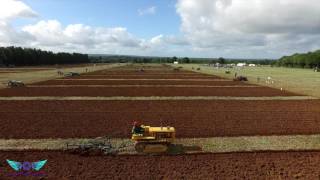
193	28
111	13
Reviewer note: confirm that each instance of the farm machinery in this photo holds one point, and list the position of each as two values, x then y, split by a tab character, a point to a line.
15	83
240	78
144	140
71	74
98	146
152	139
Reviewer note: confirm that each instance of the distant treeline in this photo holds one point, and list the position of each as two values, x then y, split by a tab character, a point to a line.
305	60
146	59
18	56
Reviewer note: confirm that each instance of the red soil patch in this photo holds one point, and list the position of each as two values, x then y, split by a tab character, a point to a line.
139	82
145	76
23	70
263	165
114	71
143	91
4	72
67	119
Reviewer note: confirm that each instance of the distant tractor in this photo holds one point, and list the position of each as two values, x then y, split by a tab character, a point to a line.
14	83
71	74
240	78
152	139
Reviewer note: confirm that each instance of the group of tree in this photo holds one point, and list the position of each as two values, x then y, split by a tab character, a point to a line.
304	60
18	56
150	59
135	59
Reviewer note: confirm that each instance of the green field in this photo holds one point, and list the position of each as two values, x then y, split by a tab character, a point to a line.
302	81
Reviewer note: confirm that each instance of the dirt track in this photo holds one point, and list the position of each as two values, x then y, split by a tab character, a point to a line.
143	91
138	82
145	76
44	119
263	165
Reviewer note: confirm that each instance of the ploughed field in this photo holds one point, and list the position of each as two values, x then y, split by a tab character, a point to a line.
22	119
139	82
144	91
261	165
215	85
146	76
191	118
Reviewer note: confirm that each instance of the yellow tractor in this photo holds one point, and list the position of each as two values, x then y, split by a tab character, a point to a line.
152	139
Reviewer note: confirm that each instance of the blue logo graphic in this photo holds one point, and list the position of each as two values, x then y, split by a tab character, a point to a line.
26	168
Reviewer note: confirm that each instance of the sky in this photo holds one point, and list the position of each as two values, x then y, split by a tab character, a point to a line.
184	28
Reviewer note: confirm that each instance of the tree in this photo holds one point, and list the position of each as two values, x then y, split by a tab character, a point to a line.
26	56
186	60
310	60
174	58
221	60
3	57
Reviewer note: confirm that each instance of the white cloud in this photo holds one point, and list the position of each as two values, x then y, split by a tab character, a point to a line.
269	26
169	40
54	36
10	9
46	32
212	28
52	33
146	11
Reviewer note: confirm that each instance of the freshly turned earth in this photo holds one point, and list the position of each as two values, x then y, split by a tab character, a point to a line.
260	165
191	118
140	82
194	118
147	76
143	91
134	74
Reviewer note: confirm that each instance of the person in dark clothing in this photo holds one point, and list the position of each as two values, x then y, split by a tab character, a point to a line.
137	129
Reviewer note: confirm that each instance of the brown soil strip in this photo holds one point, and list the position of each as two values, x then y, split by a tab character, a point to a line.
138	82
152	98
144	91
1	72
260	165
85	119
72	79
125	86
144	77
153	74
